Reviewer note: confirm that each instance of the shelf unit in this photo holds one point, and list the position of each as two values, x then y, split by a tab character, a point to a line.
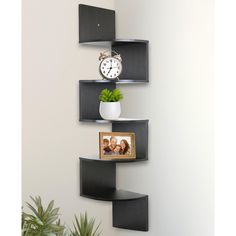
96	24
89	91
134	58
98	177
96	158
98	182
101	81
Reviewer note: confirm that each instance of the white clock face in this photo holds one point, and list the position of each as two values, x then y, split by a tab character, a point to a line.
111	68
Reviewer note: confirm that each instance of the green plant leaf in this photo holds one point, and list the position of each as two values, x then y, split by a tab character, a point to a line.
41	222
110	96
85	226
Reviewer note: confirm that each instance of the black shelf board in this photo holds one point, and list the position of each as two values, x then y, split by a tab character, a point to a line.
96	23
88	99
123	81
123	160
123	120
131	214
130	41
110	42
114	195
134	54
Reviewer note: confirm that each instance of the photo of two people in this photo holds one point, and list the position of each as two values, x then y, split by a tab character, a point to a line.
117	145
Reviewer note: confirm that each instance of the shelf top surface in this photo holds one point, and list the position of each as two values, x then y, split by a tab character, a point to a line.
120	120
121	81
103	81
130	41
114	195
115	41
123	160
89	6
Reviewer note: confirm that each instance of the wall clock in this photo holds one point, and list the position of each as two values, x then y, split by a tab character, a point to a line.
110	66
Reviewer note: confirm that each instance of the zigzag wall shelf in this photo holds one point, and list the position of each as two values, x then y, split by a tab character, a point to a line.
98	177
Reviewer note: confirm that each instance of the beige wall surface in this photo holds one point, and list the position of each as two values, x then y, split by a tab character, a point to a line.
53	138
178	101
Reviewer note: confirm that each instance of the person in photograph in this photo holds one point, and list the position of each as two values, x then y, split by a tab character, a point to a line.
109	149
125	147
117	149
113	143
105	143
105	146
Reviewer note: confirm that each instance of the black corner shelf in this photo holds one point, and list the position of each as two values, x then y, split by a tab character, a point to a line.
124	81
96	24
97	176
88	99
120	120
114	195
139	127
126	121
124	160
89	91
98	182
109	43
134	53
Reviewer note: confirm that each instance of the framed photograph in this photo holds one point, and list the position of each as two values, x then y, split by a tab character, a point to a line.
117	145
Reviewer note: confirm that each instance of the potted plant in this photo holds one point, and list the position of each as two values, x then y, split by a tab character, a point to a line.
110	108
43	222
40	221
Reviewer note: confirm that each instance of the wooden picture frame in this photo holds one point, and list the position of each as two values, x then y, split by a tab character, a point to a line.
117	145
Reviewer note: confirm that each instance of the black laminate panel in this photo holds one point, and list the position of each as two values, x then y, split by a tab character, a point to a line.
89	99
141	135
114	194
96	24
131	214
96	158
134	60
97	177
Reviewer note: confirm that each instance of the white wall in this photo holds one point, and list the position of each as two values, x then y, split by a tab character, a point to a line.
178	101
53	138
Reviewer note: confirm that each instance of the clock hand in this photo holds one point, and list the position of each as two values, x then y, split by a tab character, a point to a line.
109	71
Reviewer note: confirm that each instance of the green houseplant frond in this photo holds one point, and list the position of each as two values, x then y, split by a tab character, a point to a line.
116	95
110	96
41	222
85	227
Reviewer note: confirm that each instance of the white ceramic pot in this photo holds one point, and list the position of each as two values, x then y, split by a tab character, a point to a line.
110	110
